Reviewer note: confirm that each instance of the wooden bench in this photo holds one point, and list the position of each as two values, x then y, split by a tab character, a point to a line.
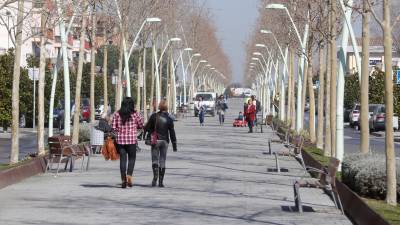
325	180
62	150
291	150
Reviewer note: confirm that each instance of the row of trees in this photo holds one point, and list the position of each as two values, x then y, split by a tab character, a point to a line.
120	42
308	37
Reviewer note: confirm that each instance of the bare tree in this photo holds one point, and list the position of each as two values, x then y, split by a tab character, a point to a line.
77	113
42	74
15	88
386	26
364	114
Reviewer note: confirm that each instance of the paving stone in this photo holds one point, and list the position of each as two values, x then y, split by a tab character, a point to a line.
218	176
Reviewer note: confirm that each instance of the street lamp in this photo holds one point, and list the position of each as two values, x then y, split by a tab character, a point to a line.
148	20
301	63
175	39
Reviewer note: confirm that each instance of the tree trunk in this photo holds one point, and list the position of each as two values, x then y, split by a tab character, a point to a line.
321	96
364	114
42	78
391	197
138	80
304	93
144	85
289	118
168	81
311	96
93	65
328	137
75	133
118	94
152	89
15	89
105	76
333	59
293	98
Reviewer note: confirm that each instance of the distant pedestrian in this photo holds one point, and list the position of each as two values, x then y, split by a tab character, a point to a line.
221	108
202	110
126	123
163	126
250	115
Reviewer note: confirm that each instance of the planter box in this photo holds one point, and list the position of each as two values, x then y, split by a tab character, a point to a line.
355	208
16	174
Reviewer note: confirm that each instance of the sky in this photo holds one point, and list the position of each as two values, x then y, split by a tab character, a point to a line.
234	20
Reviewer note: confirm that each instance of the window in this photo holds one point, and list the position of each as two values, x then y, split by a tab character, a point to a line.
37	4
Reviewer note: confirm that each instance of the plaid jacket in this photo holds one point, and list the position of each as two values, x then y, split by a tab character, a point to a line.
127	133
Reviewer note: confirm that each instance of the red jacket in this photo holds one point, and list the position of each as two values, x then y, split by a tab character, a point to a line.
251	112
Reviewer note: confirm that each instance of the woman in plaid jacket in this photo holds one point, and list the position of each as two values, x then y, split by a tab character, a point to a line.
126	123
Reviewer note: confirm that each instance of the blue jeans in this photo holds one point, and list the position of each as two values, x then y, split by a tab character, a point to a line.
201	117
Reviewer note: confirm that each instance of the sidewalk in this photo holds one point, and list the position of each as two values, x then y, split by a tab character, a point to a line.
218	176
396	135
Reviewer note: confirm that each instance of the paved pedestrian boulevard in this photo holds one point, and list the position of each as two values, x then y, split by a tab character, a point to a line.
218	176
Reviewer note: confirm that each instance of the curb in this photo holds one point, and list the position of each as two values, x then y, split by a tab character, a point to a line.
355	208
17	174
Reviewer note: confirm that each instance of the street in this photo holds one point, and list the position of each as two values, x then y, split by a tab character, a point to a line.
352	140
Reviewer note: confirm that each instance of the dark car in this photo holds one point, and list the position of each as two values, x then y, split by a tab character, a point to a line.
377	117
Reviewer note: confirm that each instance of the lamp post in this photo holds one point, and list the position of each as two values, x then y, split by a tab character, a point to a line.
158	62
301	63
193	74
125	49
184	71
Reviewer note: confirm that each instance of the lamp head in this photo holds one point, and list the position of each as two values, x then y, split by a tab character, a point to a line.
188	49
257	53
153	19
265	31
197	55
175	39
203	61
208	65
275	6
256	59
261	46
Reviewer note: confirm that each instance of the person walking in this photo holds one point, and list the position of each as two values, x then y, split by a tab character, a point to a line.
163	126
250	115
221	108
202	110
126	123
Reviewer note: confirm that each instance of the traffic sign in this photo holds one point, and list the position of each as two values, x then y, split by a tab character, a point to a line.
398	76
33	73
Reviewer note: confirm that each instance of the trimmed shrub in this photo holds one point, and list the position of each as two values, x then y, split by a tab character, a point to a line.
84	132
366	175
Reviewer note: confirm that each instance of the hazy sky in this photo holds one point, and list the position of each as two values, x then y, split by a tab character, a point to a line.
234	19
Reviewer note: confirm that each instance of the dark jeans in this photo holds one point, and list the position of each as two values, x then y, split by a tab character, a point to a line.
159	153
251	125
221	117
127	153
201	117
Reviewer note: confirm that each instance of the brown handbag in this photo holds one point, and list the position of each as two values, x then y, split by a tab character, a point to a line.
109	150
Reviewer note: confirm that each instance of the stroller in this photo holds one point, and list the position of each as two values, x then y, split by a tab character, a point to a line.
239	121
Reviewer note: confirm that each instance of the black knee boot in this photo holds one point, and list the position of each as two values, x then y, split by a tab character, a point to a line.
161	177
155	175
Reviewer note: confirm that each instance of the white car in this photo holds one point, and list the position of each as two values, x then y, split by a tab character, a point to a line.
209	99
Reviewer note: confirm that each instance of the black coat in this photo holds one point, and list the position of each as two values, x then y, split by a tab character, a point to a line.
164	127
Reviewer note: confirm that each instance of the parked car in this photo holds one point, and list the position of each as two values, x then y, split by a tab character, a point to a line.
100	110
377	117
355	115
